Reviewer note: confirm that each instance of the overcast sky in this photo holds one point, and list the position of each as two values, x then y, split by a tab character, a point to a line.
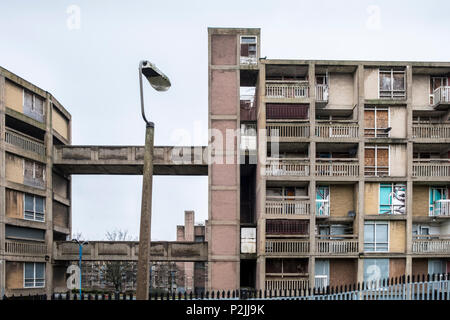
90	65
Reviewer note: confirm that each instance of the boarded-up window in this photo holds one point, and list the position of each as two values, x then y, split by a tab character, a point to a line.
286	226
376	122
376	160
286	111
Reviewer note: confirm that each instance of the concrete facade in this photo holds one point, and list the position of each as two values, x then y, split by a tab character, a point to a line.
350	171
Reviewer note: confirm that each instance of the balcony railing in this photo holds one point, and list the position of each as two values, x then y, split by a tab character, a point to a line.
290	283
279	247
287	89
287	207
439	246
441	95
25	248
441	208
26	143
336	246
431	131
287	167
322	92
337	130
431	167
287	131
337	167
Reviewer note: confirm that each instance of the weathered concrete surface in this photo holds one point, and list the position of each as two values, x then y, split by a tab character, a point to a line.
129	160
129	251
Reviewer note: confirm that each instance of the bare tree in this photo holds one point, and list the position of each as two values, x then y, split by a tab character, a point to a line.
78	236
119	273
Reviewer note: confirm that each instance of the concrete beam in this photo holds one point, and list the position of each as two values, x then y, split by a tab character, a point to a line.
129	251
128	160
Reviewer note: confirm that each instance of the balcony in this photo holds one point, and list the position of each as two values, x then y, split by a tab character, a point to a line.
441	97
298	167
286	283
293	206
24	142
23	248
280	247
337	130
330	246
431	168
287	132
282	89
441	208
431	244
431	131
344	167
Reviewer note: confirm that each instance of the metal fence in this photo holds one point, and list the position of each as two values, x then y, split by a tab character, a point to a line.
423	287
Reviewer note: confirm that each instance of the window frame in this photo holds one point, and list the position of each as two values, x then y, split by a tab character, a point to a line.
34	168
375	130
374	243
33	101
34	279
327	202
391	205
250	58
34	208
375	167
392	96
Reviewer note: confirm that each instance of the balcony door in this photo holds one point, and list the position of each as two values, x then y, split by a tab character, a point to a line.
322	273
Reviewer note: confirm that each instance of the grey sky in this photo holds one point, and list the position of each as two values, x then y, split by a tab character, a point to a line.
92	71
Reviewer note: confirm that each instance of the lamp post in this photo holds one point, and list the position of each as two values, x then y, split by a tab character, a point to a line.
80	256
159	82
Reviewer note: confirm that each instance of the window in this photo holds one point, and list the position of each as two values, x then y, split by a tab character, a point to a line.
34	173
436	266
375	270
322	201
33	104
34	207
439	204
34	275
392	84
392	198
376	236
376	122
322	272
376	160
248	50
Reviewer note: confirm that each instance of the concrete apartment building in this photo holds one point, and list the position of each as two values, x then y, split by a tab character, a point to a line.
35	197
340	173
357	186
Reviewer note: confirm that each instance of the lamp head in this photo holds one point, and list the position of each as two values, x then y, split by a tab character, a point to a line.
158	80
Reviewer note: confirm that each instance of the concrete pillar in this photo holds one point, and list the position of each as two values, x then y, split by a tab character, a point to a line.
49	198
312	183
361	184
261	182
409	161
2	187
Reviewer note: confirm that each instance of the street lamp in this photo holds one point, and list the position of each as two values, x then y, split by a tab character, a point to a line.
80	255
160	82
